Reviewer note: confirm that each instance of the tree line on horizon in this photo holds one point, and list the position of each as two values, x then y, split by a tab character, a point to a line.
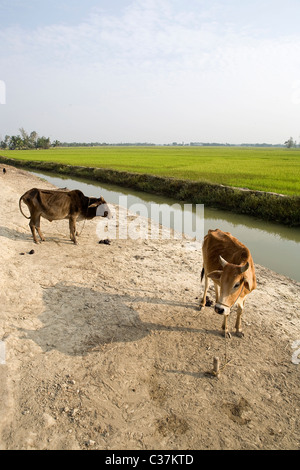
25	141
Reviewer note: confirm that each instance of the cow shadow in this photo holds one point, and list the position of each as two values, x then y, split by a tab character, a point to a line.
14	234
79	320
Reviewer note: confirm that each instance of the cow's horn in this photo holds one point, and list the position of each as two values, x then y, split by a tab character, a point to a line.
222	261
244	268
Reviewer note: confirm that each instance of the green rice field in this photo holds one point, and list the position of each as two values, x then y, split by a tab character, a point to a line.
258	168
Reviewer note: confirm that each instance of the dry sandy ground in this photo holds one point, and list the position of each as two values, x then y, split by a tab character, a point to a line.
106	348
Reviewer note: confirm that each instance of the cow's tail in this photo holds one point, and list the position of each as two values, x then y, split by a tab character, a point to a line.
20	206
202	274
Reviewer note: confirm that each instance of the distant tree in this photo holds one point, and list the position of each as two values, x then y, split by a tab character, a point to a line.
25	138
56	143
290	143
33	139
43	142
15	143
4	143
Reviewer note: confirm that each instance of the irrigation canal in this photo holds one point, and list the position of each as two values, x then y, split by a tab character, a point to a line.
274	246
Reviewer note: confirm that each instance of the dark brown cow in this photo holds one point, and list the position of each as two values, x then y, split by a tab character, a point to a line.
230	265
57	205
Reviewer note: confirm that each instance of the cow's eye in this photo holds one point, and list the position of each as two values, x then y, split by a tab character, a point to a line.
236	285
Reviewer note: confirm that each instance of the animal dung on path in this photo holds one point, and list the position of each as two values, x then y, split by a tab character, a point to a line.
104	242
31	252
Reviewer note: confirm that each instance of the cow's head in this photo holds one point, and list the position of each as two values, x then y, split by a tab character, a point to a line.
232	280
99	208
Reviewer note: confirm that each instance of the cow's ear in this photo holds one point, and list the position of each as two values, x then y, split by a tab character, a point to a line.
95	204
250	283
215	275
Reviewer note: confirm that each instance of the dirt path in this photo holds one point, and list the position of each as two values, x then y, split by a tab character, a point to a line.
106	348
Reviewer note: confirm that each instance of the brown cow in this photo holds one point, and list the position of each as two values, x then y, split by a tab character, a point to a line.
57	205
230	265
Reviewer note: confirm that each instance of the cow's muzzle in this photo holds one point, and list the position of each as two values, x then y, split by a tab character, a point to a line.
222	309
219	310
104	211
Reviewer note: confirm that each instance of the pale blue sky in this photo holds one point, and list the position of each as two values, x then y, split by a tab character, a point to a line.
151	70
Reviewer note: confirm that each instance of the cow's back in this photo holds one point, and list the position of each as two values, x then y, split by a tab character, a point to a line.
55	204
218	243
61	204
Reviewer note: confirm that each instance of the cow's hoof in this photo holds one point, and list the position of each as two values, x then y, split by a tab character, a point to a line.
226	334
240	334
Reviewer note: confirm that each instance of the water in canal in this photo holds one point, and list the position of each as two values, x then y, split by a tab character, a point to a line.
272	245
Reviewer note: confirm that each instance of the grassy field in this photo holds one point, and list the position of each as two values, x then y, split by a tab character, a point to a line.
267	169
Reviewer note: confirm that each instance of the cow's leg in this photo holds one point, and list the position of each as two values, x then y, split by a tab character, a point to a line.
225	326
238	323
216	291
37	226
72	225
203	301
40	234
32	228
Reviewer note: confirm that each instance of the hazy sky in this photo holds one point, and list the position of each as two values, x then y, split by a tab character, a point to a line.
151	70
